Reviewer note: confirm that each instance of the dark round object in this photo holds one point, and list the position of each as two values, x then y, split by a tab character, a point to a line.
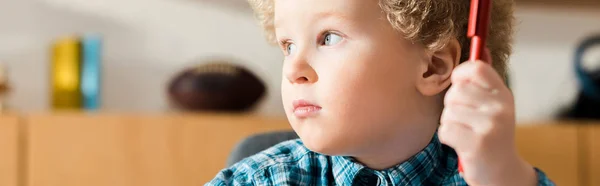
216	87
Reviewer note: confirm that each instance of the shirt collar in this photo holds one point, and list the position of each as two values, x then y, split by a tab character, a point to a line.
416	169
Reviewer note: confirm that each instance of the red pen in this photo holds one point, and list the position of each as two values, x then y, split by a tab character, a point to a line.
479	20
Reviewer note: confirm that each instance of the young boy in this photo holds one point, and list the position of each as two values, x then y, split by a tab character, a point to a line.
366	86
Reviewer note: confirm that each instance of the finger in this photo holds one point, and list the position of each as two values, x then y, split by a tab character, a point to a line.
477	120
457	136
471	95
456	95
479	73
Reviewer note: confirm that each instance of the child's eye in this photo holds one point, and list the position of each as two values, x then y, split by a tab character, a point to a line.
290	48
331	39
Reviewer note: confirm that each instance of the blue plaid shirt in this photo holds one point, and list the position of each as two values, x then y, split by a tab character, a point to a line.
291	163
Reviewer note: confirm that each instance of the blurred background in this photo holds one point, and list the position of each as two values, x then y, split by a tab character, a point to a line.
147	42
165	56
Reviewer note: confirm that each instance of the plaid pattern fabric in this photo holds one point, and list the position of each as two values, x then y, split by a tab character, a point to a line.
290	163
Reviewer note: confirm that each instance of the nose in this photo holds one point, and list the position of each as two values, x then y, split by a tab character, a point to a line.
299	71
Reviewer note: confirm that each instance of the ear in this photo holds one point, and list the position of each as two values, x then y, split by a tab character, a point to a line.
437	69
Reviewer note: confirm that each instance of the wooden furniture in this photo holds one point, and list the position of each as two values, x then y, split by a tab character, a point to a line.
9	160
552	148
569	152
72	149
592	152
119	150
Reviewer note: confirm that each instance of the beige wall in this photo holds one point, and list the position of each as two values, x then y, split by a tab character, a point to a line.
145	47
543	78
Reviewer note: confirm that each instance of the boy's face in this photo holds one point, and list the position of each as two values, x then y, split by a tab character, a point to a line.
349	79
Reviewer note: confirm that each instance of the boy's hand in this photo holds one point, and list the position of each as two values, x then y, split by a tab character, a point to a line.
478	121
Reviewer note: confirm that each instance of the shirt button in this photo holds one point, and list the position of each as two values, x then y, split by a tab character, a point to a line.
366	177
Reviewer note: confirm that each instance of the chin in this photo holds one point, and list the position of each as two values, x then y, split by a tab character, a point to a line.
327	145
322	148
322	137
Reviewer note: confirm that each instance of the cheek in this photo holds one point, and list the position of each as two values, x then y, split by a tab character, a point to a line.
369	85
286	94
368	70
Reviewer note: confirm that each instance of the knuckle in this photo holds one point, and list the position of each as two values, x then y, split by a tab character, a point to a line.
486	135
448	113
495	111
443	134
484	130
461	86
461	67
450	96
445	119
479	69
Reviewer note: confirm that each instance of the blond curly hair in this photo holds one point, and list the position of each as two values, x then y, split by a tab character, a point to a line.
431	22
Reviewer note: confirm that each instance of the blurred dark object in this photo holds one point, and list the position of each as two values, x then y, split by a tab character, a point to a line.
257	143
4	87
216	86
587	105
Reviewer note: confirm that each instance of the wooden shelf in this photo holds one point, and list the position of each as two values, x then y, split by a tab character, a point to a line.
9	142
72	149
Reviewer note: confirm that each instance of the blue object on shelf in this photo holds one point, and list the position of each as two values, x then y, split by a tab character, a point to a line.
587	104
590	87
91	71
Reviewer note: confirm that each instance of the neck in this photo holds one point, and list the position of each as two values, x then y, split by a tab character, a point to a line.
384	156
404	144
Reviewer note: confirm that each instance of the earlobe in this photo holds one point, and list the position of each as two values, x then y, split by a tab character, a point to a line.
438	70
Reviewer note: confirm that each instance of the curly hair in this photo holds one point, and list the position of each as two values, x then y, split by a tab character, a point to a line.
431	22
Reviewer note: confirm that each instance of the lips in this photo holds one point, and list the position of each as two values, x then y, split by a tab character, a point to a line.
303	108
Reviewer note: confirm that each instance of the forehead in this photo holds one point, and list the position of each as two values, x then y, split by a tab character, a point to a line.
344	9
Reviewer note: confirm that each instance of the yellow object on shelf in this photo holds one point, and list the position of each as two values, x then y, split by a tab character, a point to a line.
66	69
